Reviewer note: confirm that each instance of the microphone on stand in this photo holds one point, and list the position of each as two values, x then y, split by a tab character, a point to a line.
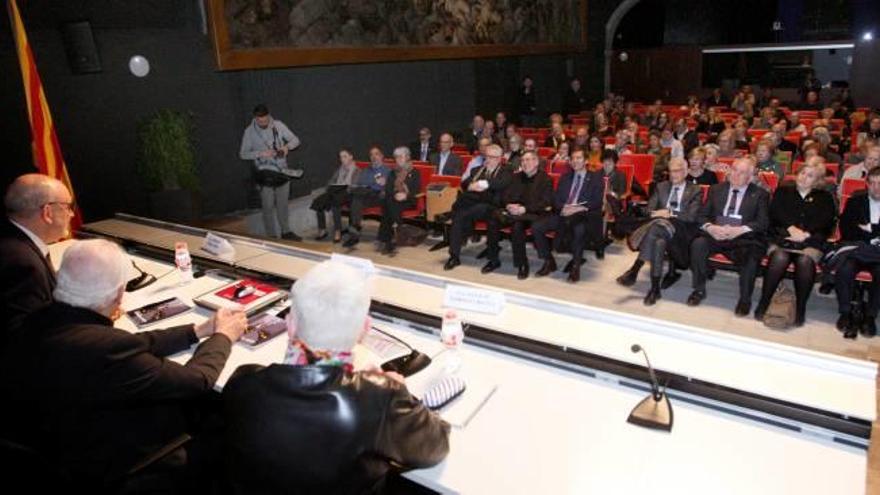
654	411
141	281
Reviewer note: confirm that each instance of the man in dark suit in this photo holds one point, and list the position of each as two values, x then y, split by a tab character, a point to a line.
578	206
688	137
94	398
422	149
473	135
717	99
446	162
860	223
574	100
674	205
734	221
401	188
482	194
528	199
313	424
38	210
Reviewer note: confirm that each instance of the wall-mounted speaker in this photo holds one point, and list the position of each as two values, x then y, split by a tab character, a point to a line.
79	43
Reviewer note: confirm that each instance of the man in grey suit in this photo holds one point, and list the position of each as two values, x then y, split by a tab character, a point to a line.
734	222
444	160
674	207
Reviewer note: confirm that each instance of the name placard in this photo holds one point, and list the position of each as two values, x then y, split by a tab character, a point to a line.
218	246
473	299
353	261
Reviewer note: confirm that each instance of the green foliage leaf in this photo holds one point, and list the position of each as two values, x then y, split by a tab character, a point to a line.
166	153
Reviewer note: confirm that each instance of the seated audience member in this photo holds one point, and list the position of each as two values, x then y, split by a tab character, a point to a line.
556	137
823	137
687	137
727	145
555	118
423	148
581	137
501	124
782	144
38	212
531	145
401	188
667	140
861	171
527	199
622	141
734	222
559	161
616	178
475	133
574	100
490	133
661	156
717	125
478	160
795	125
741	136
661	122
335	196
697	173
514	153
717	99
712	162
674	207
766	162
482	194
313	424
368	190
577	204
446	162
811	102
603	127
860	224
802	216
96	399
857	155
871	127
594	152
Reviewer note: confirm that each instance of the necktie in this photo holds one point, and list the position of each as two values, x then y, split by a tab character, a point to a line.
673	199
424	151
731	208
575	190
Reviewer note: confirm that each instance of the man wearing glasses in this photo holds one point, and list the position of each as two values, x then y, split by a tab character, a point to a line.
482	194
674	207
38	213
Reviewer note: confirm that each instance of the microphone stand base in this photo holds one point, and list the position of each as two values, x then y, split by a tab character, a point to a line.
652	413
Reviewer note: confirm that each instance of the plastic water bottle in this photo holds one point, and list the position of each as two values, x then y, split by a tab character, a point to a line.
183	262
452	336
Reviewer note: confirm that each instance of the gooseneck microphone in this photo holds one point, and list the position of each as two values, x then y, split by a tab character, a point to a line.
655	386
141	281
654	411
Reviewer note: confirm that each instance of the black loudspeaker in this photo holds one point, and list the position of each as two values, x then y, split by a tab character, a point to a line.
82	54
863	74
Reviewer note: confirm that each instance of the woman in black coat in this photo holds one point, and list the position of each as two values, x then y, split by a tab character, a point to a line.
802	217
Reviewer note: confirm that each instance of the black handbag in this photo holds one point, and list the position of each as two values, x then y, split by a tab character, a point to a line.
271	178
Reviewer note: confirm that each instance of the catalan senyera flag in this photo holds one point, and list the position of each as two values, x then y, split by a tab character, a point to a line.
47	152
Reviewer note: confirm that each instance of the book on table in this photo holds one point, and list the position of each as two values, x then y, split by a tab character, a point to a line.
247	295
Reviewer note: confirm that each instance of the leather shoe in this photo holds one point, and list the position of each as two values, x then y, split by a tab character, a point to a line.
570	263
868	328
322	236
600	253
843	322
743	308
523	272
451	263
651	297
574	275
669	279
291	236
389	249
628	278
491	266
850	333
547	268
826	288
696	298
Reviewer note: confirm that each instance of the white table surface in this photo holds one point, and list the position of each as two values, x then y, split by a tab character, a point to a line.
546	430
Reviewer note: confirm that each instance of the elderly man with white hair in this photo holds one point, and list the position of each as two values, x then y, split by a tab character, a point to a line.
97	399
734	221
38	213
312	424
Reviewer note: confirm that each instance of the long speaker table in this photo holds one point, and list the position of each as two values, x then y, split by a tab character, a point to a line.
750	416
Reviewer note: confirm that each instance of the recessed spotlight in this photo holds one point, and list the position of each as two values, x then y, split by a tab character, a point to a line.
868	36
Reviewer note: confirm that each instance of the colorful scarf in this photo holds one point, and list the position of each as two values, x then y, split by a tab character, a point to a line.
299	354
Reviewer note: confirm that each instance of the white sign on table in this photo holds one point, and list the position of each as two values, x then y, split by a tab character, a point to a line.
472	299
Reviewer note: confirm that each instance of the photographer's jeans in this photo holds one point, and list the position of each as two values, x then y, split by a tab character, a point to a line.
274	200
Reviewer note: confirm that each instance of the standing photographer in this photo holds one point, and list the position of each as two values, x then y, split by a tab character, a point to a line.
267	142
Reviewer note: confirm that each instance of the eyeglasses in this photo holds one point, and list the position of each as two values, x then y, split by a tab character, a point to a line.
69	205
493	156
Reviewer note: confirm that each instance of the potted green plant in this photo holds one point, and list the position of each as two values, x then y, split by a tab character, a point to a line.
167	164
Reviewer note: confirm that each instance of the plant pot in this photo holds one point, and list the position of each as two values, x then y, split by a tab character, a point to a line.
175	205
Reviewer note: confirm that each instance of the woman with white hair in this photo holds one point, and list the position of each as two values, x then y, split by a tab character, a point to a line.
403	185
97	398
313	424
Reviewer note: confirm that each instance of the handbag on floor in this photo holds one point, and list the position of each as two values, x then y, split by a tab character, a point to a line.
780	313
410	235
